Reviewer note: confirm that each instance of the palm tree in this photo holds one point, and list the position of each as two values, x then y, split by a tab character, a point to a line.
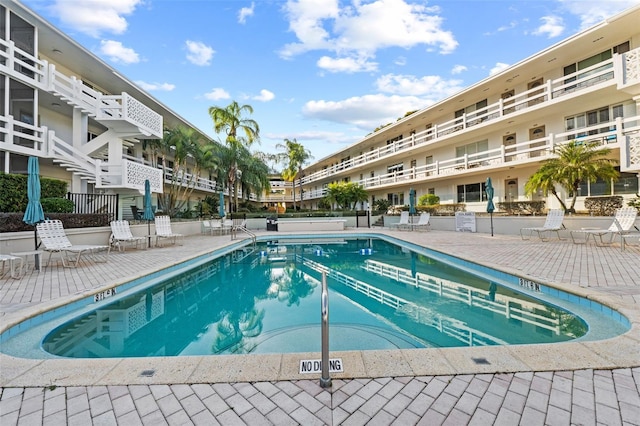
575	163
346	194
185	147
231	121
295	157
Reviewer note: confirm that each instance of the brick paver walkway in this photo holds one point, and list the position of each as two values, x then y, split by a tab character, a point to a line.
565	397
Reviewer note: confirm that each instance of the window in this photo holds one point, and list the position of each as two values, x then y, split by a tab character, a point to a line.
428	159
395	168
472	148
413	164
589	62
604	116
396	199
469	112
507	102
472	192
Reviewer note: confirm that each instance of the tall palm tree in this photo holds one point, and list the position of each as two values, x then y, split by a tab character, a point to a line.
294	157
255	175
231	121
575	163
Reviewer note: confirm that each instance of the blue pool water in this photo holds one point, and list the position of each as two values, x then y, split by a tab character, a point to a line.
266	299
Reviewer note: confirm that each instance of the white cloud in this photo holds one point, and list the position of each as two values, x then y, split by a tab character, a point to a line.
432	86
365	112
245	12
348	65
116	52
400	61
264	96
552	26
162	87
199	53
361	29
217	93
499	66
591	13
458	69
96	16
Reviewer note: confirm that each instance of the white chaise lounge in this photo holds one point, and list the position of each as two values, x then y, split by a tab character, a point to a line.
553	223
54	240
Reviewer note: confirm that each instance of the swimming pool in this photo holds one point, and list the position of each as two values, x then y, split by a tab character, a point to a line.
383	295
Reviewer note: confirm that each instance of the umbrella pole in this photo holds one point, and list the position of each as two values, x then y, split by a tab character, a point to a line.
35	244
148	234
491	215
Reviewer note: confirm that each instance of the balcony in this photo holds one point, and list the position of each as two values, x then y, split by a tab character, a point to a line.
623	134
122	113
623	70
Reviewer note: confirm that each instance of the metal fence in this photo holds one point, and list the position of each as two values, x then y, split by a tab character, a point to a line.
95	203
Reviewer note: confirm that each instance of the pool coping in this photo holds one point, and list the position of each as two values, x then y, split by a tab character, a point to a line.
617	352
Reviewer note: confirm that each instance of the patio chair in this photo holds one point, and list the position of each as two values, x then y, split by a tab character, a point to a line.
136	212
623	221
163	230
121	235
211	226
227	225
423	222
553	223
631	237
54	240
404	221
15	270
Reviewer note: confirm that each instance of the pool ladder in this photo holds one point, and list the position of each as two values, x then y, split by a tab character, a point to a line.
242	228
325	380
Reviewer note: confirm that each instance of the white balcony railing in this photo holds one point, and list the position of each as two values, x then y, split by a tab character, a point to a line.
43	75
601	73
623	134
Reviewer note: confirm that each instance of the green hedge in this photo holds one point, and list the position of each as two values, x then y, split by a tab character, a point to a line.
13	191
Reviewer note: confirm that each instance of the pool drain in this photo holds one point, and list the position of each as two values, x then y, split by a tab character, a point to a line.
481	361
147	373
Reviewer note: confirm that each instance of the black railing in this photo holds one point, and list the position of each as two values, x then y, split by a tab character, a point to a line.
95	203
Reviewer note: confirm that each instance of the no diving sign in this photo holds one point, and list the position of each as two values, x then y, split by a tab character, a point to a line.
315	366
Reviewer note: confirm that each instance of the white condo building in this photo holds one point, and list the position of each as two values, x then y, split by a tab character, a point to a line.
586	87
87	123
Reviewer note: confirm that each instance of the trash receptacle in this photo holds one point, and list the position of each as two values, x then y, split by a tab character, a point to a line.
272	223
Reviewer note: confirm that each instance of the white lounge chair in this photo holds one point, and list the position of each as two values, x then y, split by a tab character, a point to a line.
163	230
553	223
121	235
211	226
623	222
15	270
404	221
227	225
423	222
631	237
54	240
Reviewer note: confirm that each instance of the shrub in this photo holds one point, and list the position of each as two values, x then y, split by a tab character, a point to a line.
12	222
635	202
57	205
443	209
603	206
522	207
13	191
428	200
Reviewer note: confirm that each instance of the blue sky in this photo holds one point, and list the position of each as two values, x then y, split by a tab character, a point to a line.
324	72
